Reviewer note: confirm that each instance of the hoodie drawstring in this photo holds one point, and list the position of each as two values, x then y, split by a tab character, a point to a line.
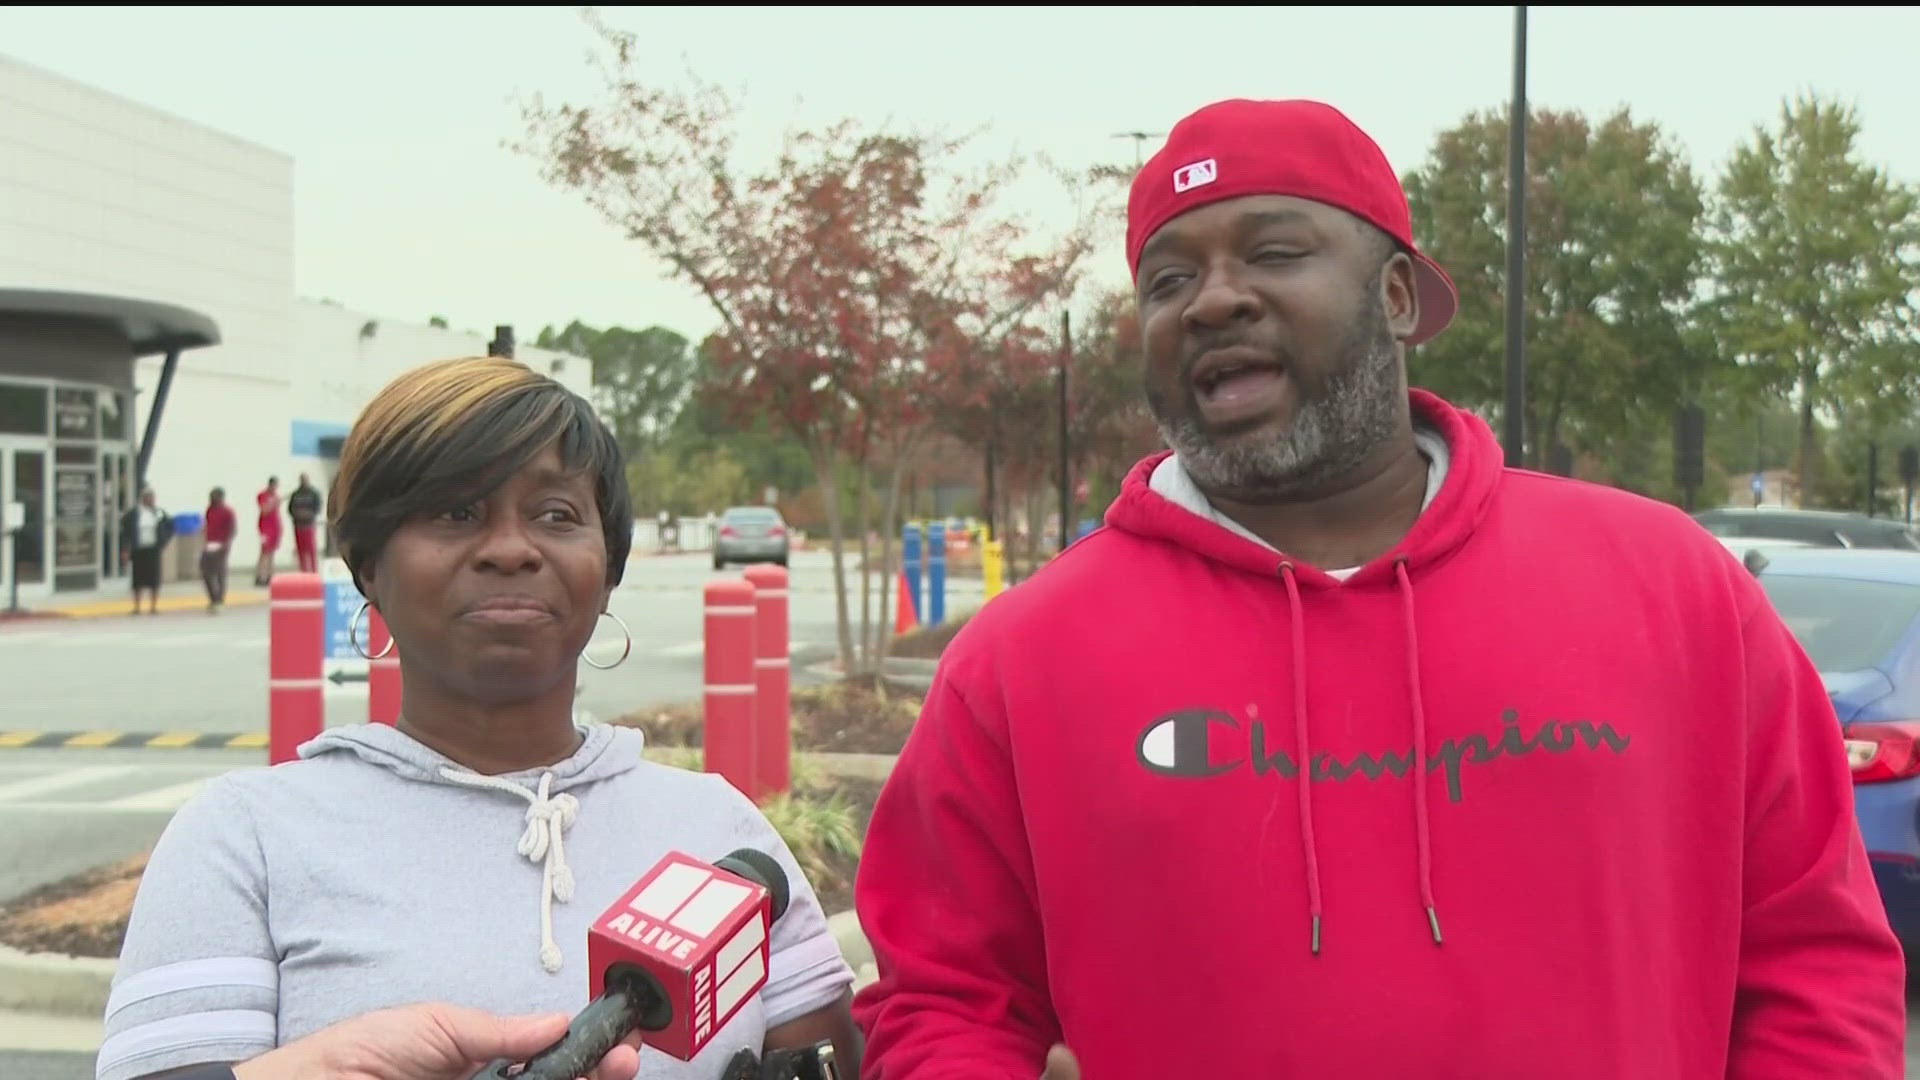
1423	838
1422	835
548	817
1306	757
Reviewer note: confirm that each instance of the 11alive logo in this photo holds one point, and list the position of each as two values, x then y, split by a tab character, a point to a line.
706	932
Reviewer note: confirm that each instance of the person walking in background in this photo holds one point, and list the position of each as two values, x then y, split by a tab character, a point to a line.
220	527
269	501
303	506
144	531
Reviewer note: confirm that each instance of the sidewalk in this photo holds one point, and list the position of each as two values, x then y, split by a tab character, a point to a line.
102	603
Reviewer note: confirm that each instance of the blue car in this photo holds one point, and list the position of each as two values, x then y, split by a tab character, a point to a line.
1857	615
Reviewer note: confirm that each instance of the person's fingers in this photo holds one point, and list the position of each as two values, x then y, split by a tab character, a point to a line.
482	1037
621	1063
1061	1065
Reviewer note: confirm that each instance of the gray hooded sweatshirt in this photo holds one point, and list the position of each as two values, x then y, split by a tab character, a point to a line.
375	872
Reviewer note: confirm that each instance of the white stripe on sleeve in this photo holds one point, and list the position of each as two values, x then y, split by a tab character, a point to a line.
251	972
248	1028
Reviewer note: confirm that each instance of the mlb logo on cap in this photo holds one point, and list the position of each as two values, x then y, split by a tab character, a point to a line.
1192	176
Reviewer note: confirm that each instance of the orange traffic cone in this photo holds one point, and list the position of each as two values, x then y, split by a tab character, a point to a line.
905	618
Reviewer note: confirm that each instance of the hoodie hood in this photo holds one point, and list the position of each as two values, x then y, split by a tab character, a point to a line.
1473	473
605	751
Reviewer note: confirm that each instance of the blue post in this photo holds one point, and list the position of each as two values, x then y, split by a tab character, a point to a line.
936	573
910	562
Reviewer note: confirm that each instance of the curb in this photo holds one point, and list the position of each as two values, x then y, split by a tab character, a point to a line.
165	740
854	947
55	984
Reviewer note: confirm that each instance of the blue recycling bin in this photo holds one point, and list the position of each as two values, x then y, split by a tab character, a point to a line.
910	565
187	524
936	573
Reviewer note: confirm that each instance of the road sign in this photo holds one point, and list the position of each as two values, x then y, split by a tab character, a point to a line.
342	600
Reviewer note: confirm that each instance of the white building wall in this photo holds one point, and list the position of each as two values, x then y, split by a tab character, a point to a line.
102	194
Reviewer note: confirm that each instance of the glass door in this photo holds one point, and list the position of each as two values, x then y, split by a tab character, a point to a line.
23	489
116	497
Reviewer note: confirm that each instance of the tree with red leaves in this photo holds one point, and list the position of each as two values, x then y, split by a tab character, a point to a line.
848	277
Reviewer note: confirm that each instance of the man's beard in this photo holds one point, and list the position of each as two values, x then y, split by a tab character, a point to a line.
1328	435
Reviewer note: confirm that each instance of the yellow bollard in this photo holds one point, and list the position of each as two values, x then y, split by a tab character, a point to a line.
990	568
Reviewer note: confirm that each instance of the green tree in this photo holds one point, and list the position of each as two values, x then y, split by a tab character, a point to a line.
642	378
1614	253
1816	257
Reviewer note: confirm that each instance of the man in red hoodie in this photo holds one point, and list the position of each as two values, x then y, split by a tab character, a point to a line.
1345	751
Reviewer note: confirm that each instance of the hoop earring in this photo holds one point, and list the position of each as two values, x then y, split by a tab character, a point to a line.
353	634
625	650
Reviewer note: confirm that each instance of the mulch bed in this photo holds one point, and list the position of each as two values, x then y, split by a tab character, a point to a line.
84	915
928	642
860	715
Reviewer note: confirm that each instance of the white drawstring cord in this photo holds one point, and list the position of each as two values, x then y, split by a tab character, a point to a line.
548	817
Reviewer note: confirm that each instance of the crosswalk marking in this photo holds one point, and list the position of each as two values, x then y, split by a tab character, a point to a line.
66	778
166	798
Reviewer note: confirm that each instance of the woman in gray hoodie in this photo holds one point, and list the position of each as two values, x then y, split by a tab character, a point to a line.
460	855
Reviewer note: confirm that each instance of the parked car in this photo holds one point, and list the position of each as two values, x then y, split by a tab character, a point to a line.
750	534
1857	615
1822	527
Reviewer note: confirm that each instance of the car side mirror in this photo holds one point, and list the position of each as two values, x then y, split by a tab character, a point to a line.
1754	561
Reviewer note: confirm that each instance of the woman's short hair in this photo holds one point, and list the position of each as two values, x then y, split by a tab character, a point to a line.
447	433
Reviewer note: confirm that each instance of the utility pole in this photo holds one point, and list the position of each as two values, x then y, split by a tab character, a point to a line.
1514	420
1066	470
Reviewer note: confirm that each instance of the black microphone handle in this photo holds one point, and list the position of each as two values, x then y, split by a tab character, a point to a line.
626	1004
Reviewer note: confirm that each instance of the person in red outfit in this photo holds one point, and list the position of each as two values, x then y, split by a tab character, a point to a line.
269	500
219	528
1345	750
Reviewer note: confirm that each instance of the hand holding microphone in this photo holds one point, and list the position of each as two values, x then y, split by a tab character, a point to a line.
674	959
420	1042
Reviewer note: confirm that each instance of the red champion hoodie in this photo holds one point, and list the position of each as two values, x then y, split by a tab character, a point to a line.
1545	791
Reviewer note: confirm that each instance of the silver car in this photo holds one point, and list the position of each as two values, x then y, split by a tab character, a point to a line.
750	534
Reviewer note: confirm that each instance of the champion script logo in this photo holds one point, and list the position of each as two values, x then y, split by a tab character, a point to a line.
1198	743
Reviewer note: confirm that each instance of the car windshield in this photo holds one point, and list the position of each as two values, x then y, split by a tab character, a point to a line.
753	516
1842	623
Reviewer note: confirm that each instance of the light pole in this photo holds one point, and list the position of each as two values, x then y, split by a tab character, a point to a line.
1516	399
1139	141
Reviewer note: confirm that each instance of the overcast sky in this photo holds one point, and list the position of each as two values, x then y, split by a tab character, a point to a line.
407	206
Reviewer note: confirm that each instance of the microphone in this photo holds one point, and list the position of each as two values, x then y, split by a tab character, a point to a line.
675	957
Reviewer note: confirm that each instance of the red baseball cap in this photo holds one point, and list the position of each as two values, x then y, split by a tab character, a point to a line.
1305	149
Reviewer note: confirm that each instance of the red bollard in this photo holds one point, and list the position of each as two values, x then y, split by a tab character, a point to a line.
730	695
296	621
773	701
383	673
